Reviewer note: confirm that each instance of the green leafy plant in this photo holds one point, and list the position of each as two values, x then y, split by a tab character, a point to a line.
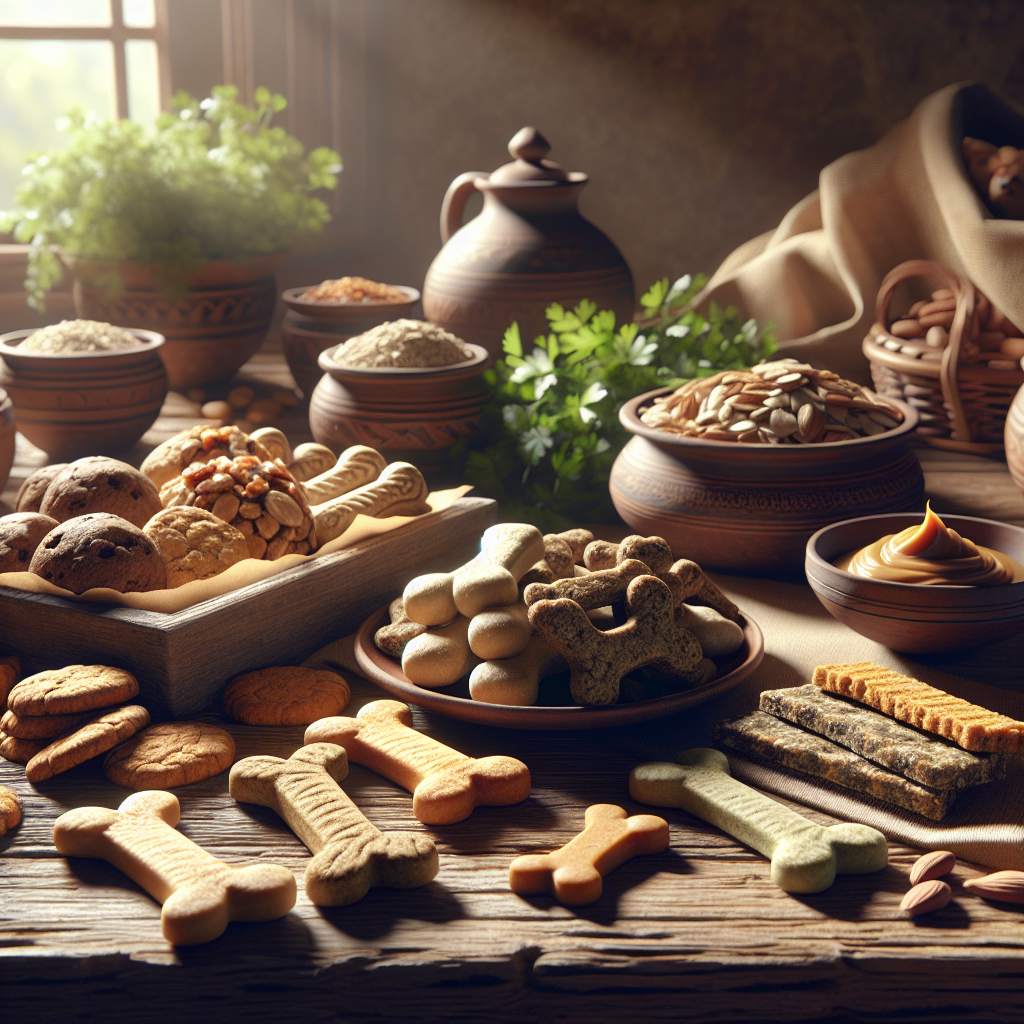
213	181
551	431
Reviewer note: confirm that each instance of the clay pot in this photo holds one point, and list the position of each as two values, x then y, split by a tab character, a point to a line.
751	508
310	328
528	248
84	403
1013	438
411	414
7	432
211	329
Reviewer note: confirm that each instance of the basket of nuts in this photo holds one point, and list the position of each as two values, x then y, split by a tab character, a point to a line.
954	357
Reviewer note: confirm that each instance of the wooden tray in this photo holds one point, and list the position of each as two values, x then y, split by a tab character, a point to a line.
183	659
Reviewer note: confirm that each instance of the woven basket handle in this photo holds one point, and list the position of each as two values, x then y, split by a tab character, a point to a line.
963	321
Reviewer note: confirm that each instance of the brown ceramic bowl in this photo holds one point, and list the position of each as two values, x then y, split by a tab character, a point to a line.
84	403
751	508
7	432
1013	437
455	702
910	617
412	414
355	312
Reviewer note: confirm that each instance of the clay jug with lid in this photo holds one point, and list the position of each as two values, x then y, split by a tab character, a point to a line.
528	247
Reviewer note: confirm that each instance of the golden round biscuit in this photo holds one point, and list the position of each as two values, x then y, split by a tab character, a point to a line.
19	751
71	690
170	754
20	534
194	543
96	737
99	484
30	494
10	809
41	727
287	695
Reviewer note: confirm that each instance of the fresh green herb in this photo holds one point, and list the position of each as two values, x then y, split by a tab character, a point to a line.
551	431
212	181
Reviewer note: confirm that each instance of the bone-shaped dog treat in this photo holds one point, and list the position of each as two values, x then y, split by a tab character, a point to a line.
718	636
356	467
574	874
488	581
310	460
694	583
805	857
557	563
446	785
392	639
577	539
654	552
351	856
438	657
500	632
515	681
399	491
594	590
200	894
276	443
599	660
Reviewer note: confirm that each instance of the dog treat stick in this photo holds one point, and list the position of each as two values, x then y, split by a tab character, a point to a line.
500	632
392	639
557	563
694	583
654	552
356	467
438	657
446	786
515	680
574	874
310	460
577	539
200	894
352	856
595	590
399	491
805	857
276	443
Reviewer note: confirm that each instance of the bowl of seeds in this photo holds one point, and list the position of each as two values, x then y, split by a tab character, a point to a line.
738	470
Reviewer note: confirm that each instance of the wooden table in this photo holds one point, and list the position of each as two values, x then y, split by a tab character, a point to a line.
697	933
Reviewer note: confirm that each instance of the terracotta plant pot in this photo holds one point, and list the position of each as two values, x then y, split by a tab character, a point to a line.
310	328
211	329
751	508
411	414
7	432
1013	437
85	403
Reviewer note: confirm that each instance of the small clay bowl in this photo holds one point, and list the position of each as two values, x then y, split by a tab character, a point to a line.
376	312
412	414
915	618
750	508
7	432
84	403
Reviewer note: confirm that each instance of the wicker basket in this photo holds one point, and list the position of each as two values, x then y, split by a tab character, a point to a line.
961	399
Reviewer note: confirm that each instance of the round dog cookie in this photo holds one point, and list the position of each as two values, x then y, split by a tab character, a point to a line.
289	695
194	544
99	550
198	444
72	690
20	535
30	494
10	809
98	736
98	484
40	727
170	754
20	751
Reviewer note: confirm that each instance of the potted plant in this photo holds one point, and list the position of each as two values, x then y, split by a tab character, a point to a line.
178	230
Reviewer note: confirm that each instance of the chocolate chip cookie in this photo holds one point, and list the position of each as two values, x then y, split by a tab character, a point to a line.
30	494
98	484
20	535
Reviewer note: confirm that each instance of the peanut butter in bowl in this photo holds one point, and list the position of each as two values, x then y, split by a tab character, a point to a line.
933	555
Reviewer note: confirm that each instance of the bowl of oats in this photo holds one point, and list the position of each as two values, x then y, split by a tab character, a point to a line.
83	387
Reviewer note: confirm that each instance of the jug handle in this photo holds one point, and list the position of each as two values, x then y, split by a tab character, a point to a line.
454	204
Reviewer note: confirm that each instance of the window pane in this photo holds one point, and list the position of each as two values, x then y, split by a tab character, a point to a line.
39	81
55	12
138	13
143	80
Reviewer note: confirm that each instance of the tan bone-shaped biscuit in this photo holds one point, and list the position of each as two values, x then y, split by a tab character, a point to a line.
489	581
351	855
438	657
276	443
598	661
577	539
309	460
199	893
356	467
500	632
392	639
594	590
805	857
399	491
574	874
515	681
446	786
557	564
654	552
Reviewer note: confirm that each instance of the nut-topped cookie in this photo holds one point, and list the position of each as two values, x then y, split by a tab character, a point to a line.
198	444
20	535
97	484
194	543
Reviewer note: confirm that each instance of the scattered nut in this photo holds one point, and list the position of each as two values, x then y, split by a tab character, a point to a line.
925	897
1005	886
932	865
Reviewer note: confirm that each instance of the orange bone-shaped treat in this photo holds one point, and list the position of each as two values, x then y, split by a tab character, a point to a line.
598	661
446	786
574	875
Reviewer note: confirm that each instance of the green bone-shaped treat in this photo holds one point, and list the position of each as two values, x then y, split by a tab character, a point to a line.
805	857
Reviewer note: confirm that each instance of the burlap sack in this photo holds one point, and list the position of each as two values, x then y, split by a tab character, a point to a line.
907	197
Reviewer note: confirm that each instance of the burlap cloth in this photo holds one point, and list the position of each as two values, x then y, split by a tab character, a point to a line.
986	824
907	197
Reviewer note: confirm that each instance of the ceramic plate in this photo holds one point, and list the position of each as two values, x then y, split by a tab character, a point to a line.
454	700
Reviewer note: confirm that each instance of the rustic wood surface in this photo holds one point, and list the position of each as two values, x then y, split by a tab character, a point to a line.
696	933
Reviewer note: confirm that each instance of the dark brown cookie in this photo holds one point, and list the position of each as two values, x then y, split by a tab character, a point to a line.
40	727
99	550
30	494
98	484
288	695
170	754
20	535
98	736
19	751
72	690
10	809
